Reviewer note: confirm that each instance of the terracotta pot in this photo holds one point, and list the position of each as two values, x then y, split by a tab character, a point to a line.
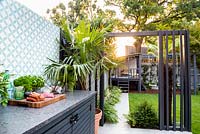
98	114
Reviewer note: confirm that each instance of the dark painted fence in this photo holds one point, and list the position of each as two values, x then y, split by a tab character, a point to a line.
183	60
167	77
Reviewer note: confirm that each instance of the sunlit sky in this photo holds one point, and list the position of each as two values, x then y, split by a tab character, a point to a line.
40	7
122	42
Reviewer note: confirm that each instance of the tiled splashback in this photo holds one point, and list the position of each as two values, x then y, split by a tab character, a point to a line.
26	39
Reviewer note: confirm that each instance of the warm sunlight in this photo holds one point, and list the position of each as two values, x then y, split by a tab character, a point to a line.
121	43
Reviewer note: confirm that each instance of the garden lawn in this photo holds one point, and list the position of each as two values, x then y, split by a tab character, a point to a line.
136	98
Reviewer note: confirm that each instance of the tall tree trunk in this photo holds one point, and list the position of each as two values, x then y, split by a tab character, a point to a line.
138	44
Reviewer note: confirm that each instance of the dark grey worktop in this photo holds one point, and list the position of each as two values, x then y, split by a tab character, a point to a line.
17	120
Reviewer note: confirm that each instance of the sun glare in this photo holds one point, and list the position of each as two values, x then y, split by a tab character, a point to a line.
121	43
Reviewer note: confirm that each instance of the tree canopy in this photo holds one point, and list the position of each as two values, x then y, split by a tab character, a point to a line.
195	40
143	15
138	15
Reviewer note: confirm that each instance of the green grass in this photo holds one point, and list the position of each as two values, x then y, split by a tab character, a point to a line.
135	99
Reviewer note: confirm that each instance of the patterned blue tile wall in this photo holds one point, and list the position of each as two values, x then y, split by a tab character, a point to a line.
26	39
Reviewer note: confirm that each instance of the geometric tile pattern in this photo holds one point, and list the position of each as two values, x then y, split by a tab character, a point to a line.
26	39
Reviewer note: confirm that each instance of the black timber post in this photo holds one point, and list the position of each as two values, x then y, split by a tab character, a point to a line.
96	87
174	80
101	106
187	92
182	87
167	88
90	82
109	78
195	73
161	81
140	72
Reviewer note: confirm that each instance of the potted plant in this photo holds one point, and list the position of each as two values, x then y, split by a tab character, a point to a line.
29	83
37	82
84	53
24	81
3	89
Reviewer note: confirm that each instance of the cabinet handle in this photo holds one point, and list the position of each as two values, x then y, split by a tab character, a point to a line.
74	119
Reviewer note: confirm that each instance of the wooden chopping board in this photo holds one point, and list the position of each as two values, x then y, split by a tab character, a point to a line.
39	104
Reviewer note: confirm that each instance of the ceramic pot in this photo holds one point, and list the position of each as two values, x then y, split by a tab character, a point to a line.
98	115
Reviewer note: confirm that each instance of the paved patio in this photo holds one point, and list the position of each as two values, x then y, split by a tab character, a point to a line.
123	128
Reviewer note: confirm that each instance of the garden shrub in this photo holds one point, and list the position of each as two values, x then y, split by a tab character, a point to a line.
110	113
112	97
144	116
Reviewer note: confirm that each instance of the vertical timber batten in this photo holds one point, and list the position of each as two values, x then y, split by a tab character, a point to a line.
140	68
167	85
161	81
101	106
90	82
96	87
185	83
188	90
163	68
181	81
195	73
174	80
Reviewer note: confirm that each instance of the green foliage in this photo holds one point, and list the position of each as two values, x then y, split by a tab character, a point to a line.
110	113
37	81
3	90
194	30
68	71
148	15
145	74
77	10
144	116
135	99
83	55
57	14
112	97
195	40
29	82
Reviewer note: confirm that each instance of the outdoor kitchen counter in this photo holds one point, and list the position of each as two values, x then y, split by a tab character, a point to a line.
18	119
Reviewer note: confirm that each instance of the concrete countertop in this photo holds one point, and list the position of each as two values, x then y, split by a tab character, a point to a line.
19	119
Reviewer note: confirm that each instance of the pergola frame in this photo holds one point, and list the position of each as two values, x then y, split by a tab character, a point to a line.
185	95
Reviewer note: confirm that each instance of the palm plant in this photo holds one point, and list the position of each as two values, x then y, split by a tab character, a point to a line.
83	55
68	71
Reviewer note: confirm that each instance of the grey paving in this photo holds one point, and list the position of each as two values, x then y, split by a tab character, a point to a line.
123	128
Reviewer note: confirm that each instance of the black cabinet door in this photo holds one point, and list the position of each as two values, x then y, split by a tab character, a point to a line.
85	123
79	120
62	127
